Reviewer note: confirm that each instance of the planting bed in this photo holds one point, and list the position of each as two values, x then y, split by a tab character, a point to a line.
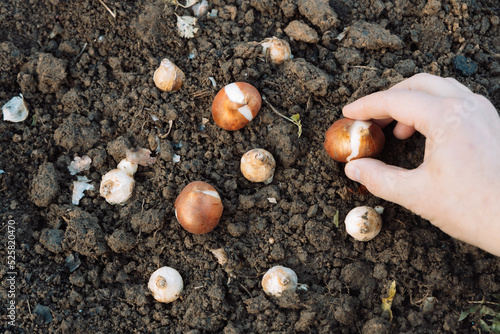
87	78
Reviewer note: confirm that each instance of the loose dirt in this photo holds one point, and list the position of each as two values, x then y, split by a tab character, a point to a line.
87	78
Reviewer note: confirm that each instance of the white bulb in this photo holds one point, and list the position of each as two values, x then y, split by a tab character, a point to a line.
278	50
278	279
363	223
258	165
117	186
165	284
128	167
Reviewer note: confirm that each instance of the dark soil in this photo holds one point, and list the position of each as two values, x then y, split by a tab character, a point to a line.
88	81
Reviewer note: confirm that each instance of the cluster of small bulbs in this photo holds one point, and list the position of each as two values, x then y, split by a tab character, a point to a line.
198	207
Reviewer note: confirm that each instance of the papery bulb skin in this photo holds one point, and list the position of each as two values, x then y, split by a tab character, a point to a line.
276	50
349	139
198	207
278	279
165	284
117	186
258	165
363	223
236	105
168	77
15	110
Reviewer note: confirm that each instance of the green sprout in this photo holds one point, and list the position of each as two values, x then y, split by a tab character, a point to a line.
295	119
486	313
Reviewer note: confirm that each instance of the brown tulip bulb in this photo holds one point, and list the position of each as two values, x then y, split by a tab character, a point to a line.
235	105
198	207
258	165
348	139
168	77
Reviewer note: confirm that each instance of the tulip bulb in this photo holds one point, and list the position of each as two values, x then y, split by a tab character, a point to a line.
165	284
278	279
276	50
236	105
363	223
348	139
198	208
258	165
168	77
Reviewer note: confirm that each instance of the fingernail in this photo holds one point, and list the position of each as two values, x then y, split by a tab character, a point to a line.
353	172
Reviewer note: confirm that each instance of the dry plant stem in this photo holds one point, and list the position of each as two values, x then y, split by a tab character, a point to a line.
109	10
299	125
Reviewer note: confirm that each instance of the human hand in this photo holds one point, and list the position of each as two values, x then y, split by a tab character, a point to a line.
457	186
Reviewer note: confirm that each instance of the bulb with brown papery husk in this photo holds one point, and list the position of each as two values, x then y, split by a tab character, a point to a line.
258	165
198	207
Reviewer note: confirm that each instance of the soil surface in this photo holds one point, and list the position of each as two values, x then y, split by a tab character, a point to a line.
87	78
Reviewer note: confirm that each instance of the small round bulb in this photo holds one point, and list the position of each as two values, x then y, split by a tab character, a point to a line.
258	165
117	186
276	50
278	279
363	223
165	284
168	77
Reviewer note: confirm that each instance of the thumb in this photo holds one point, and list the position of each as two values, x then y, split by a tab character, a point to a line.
391	183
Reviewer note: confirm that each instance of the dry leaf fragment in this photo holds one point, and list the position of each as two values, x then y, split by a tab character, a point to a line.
221	255
79	164
15	110
79	187
186	26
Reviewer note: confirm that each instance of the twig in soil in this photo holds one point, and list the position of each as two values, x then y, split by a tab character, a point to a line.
109	10
81	51
201	93
295	119
170	122
29	307
366	67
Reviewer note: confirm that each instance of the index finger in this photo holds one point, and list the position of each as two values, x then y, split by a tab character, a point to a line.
412	108
434	85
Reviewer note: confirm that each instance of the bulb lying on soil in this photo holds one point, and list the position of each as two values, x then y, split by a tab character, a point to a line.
279	279
363	223
166	284
236	105
258	165
198	207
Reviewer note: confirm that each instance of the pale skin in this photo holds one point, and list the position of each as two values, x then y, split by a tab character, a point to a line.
457	186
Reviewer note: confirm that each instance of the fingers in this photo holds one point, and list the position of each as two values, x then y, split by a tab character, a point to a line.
383	122
402	131
391	183
433	85
414	109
